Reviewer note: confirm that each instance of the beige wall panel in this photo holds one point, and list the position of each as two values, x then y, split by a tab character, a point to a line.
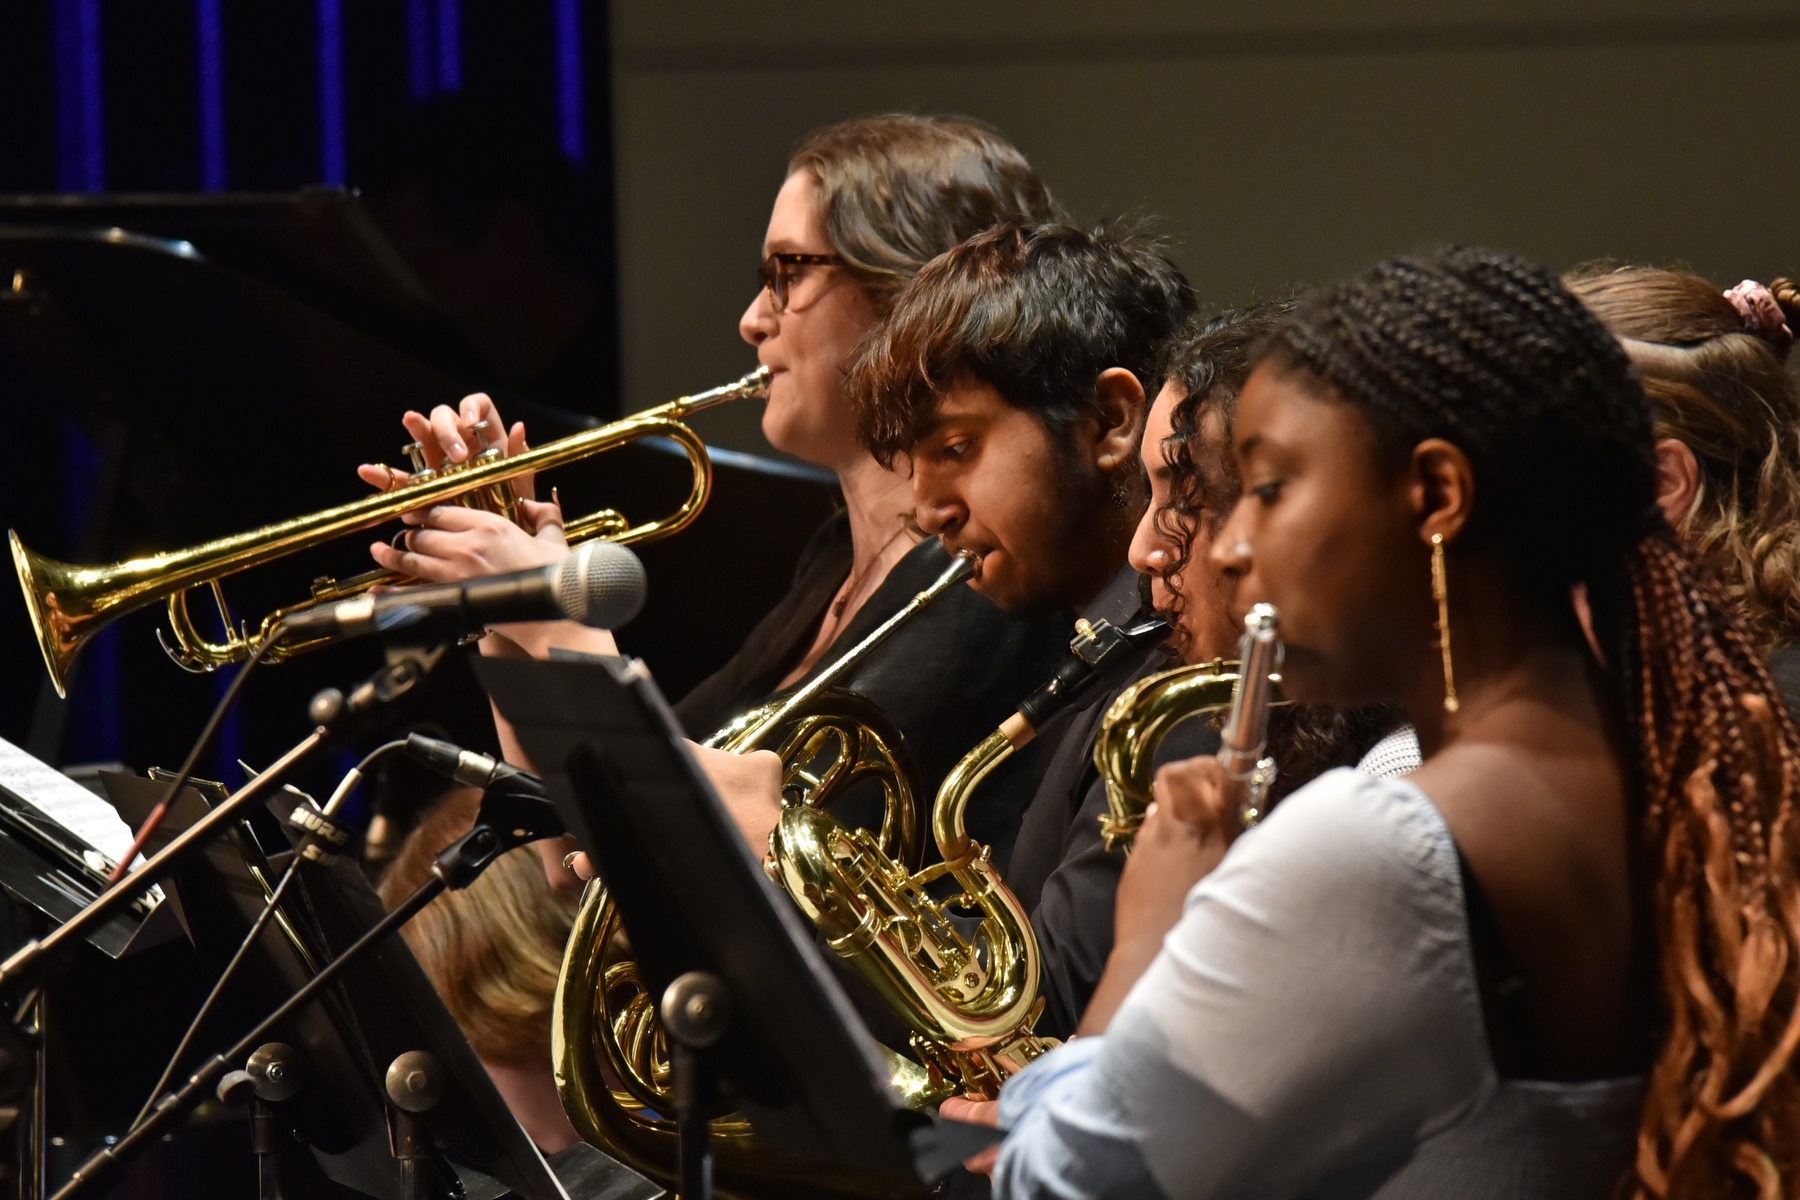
1264	169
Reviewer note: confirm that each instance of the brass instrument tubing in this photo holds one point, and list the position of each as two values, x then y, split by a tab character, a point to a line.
959	569
953	839
68	601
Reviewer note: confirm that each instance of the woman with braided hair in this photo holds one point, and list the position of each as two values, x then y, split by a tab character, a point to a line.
1560	958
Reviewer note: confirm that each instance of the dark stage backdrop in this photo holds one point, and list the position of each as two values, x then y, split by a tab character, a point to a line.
479	135
481	131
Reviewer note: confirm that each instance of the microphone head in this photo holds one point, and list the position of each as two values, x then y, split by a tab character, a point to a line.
601	584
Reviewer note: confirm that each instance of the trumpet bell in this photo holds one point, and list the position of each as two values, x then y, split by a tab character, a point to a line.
68	605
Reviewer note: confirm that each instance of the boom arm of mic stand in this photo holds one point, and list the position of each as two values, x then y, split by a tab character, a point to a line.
502	826
336	714
29	961
174	1105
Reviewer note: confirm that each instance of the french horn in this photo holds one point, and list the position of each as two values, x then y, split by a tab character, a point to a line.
609	1051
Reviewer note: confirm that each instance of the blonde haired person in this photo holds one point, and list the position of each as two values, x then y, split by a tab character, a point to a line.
493	951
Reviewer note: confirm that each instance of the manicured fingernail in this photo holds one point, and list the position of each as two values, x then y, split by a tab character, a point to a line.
456	450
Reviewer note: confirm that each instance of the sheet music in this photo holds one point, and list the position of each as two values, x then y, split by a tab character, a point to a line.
66	803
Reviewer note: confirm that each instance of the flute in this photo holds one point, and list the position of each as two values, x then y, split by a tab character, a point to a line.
1246	733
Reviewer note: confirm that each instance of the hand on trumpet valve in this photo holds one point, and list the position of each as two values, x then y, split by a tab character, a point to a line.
456	435
447	543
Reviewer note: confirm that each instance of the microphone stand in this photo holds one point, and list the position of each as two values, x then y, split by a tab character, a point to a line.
29	962
335	716
507	822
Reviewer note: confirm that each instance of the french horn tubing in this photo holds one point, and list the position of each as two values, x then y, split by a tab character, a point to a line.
70	603
609	1051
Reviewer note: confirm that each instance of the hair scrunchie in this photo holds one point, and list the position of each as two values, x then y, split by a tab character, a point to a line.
1762	315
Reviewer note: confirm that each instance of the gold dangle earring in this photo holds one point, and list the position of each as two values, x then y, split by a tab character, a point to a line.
1440	592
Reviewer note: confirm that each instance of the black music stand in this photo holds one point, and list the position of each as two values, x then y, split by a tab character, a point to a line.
382	1009
796	1059
50	867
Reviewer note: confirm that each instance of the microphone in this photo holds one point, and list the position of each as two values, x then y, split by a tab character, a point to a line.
511	798
467	767
601	584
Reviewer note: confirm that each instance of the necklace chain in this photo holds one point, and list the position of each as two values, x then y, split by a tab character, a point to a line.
854	584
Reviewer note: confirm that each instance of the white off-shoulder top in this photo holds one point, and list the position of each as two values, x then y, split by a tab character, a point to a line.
1312	1028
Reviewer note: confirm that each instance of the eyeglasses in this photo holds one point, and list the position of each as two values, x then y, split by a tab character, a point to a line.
777	273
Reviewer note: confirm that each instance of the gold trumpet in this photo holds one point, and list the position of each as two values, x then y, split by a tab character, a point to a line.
70	603
1146	712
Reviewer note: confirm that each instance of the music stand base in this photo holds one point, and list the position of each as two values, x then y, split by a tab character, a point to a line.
696	1010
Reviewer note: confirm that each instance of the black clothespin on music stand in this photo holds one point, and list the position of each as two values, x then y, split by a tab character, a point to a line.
754	1006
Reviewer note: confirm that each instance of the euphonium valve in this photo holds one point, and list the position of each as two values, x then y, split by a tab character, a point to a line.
970	998
70	603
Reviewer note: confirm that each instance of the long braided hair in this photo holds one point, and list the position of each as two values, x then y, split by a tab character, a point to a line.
1490	353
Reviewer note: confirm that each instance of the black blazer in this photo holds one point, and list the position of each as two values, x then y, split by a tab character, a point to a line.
946	678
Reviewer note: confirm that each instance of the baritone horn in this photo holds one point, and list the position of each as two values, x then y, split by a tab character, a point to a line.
70	603
969	995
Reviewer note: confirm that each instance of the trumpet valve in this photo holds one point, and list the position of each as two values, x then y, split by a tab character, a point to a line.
489	451
421	471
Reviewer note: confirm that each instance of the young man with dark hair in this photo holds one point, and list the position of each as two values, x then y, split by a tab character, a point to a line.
975	378
1011	375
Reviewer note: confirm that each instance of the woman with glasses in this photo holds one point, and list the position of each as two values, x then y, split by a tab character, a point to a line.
865	204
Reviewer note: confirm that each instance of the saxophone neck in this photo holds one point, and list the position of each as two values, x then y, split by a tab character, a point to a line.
953	796
1096	649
